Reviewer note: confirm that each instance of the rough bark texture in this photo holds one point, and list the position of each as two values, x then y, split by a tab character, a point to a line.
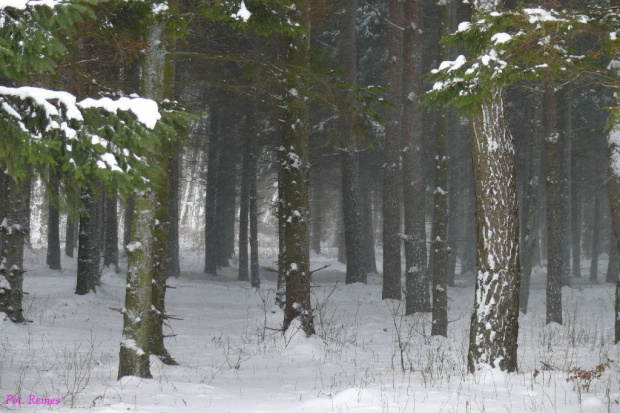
352	207
418	298
391	167
613	267
494	322
128	221
295	181
529	232
134	350
87	265
439	237
53	227
14	228
554	225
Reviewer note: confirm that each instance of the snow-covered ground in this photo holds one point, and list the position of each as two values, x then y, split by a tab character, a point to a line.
233	359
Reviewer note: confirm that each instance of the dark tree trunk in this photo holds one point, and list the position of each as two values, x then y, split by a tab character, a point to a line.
439	237
211	240
596	226
253	200
244	205
87	244
417	297
367	221
317	213
14	228
53	226
554	218
565	126
174	179
391	169
613	267
110	213
70	235
128	221
295	182
281	218
530	232
576	198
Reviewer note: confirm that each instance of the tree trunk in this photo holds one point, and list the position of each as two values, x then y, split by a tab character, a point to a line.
317	213
439	238
367	221
134	351
70	236
295	180
53	226
565	125
128	221
110	254
530	231
87	244
495	319
576	198
281	219
14	227
244	205
554	218
211	198
391	169
253	200
174	179
613	267
596	225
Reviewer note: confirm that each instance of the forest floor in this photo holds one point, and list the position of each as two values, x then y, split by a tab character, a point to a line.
366	356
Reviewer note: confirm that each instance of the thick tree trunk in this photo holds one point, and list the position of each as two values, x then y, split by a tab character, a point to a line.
53	227
596	236
174	179
391	168
281	218
87	266
316	208
553	214
128	221
495	319
565	126
135	345
295	181
14	227
439	237
576	199
417	297
110	213
529	232
367	221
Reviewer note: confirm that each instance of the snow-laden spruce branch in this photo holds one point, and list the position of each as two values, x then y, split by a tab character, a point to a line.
528	44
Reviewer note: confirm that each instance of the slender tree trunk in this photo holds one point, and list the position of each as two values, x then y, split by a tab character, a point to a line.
244	205
110	255
295	180
128	221
253	200
596	236
576	198
211	199
14	228
53	227
391	170
565	125
70	236
367	221
174	182
317	214
495	319
87	244
281	219
530	229
613	267
554	225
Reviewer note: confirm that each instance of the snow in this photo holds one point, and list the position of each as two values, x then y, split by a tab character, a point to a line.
499	38
232	359
146	110
243	13
22	4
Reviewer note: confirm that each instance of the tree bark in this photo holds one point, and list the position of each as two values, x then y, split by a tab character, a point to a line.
530	228
253	211
554	218
110	254
316	207
391	168
70	236
53	226
14	227
211	198
295	179
87	244
494	322
613	267
244	205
